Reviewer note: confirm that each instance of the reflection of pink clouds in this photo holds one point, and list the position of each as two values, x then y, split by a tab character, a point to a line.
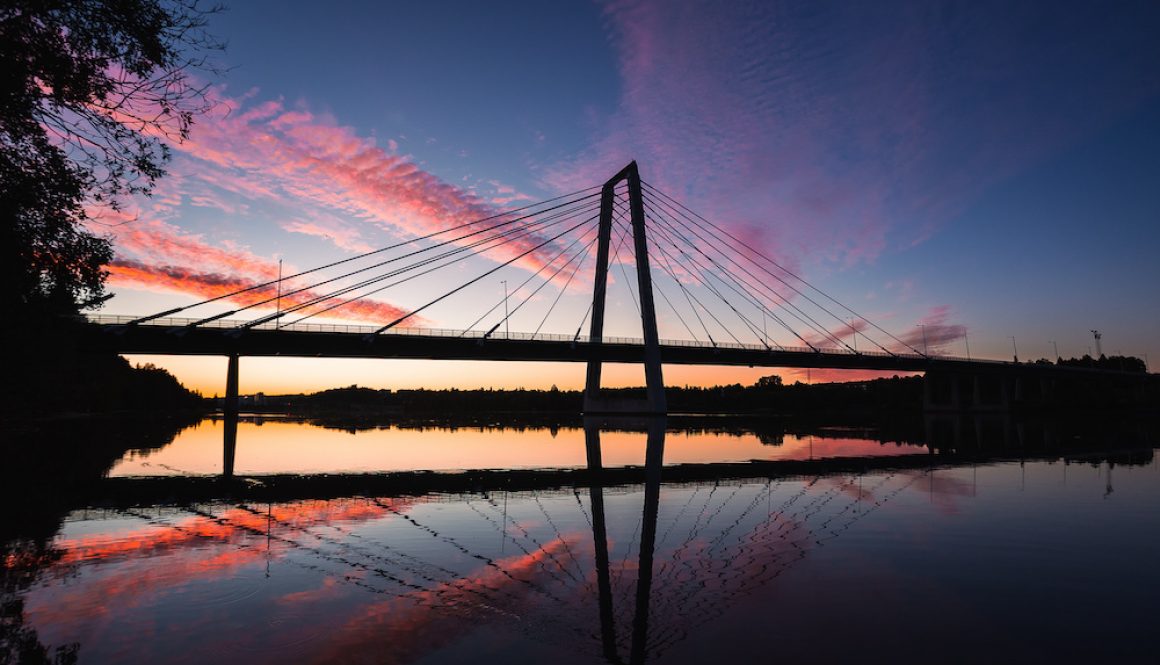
943	489
230	526
404	628
157	558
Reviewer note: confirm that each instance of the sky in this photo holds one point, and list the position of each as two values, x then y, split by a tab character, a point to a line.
978	173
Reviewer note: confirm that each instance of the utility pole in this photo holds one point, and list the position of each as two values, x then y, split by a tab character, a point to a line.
506	326
278	320
764	333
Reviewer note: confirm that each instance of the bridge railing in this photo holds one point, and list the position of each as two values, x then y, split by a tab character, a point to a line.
174	322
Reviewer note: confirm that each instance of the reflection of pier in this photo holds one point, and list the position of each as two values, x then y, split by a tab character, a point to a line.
654	459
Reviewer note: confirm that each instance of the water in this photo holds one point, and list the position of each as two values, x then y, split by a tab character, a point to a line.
832	546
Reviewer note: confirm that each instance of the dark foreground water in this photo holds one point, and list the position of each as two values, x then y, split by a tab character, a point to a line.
1028	542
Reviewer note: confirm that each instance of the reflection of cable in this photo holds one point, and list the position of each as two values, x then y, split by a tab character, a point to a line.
491	563
564	541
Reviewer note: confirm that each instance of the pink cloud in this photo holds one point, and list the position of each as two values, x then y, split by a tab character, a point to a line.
847	131
333	183
338	232
133	274
935	331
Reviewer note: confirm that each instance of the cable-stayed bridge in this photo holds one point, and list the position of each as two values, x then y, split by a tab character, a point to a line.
725	301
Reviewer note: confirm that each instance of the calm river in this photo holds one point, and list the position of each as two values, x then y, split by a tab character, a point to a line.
1028	542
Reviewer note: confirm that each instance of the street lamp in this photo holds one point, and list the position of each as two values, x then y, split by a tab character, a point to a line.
967	341
924	351
506	327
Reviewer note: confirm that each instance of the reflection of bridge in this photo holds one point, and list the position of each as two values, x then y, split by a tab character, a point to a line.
719	288
631	594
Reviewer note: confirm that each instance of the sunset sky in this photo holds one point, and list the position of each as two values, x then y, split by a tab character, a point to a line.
987	168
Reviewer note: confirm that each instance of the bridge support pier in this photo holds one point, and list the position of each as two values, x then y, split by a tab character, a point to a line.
654	402
230	424
231	403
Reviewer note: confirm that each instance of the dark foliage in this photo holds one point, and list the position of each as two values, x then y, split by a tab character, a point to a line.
91	90
50	375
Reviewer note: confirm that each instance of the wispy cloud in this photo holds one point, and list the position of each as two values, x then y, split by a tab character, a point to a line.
837	132
306	174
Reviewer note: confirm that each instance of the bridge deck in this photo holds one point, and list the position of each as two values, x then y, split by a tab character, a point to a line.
175	337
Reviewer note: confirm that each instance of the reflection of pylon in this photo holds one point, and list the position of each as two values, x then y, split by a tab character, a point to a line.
654	458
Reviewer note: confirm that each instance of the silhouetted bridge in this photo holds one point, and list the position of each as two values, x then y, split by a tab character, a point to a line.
720	287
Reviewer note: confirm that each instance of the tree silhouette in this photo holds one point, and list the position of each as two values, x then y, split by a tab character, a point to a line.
91	92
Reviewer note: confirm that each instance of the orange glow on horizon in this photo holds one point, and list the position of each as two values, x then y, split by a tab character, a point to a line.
288	376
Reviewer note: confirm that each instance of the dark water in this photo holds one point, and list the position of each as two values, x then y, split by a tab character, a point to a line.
1027	542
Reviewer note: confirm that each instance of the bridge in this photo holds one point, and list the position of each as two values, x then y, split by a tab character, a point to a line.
719	288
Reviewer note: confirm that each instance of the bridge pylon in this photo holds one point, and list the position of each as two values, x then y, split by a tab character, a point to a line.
654	401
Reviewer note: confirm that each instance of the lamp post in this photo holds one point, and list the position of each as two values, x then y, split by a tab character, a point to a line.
278	307
924	350
854	335
967	341
506	325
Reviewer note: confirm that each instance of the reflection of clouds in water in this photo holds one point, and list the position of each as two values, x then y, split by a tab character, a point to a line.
354	576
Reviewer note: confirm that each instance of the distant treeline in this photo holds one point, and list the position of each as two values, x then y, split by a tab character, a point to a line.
1115	363
47	375
767	396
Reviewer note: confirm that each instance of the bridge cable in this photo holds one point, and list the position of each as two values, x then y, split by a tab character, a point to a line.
525	282
815	325
745	246
579	265
707	310
751	326
526	300
665	228
793	310
471	249
373	252
525	231
623	235
662	261
284	295
664	267
399	320
518	235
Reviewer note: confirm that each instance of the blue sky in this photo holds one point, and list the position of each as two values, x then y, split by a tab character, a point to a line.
981	167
